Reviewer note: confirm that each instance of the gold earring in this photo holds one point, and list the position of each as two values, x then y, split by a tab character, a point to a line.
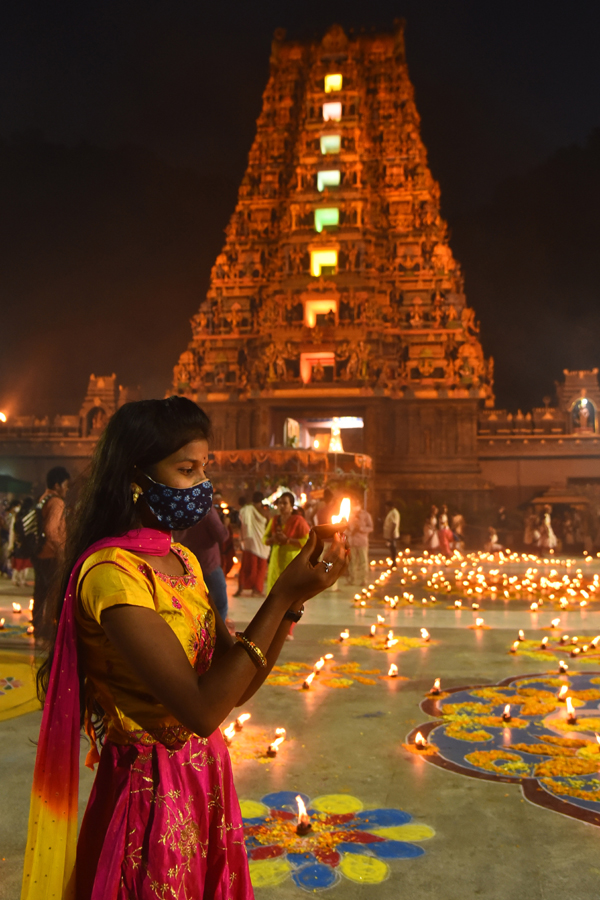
136	492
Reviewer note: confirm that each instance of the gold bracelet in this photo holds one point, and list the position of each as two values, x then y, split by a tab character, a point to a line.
255	653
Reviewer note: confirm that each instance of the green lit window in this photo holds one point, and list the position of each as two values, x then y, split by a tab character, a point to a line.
323	262
333	83
326	218
332	111
330	143
328	178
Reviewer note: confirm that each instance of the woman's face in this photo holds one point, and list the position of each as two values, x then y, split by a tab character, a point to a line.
183	468
284	506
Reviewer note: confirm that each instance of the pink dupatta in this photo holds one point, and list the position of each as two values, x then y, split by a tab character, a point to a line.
49	871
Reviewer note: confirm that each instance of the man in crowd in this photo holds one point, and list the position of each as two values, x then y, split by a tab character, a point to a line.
359	529
253	520
48	519
391	528
205	540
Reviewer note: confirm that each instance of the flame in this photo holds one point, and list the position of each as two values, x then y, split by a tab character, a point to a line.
595	641
563	692
420	741
393	671
344	635
570	710
229	733
562	665
425	634
372	630
302	814
381	621
16	607
2	621
344	514
319	665
239	722
544	642
30	629
478	623
597	737
514	647
458	603
506	713
390	635
280	731
308	680
521	635
534	606
274	746
31	605
436	686
328	656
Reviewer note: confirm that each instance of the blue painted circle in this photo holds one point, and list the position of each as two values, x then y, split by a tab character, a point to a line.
301	859
396	850
284	800
380	818
256	820
315	877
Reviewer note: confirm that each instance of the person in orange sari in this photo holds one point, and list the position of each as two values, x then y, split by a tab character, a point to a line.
286	534
143	660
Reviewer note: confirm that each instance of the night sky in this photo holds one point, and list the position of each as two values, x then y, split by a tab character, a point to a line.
124	132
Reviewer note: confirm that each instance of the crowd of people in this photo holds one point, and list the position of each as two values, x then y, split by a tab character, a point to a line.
442	535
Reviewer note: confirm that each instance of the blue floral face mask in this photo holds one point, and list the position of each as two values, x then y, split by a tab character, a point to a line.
179	508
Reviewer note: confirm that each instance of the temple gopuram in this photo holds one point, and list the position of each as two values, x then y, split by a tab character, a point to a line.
335	342
336	295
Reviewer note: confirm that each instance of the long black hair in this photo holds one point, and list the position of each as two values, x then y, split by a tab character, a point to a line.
139	435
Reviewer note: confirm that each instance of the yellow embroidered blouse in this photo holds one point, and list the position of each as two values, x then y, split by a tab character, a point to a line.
113	577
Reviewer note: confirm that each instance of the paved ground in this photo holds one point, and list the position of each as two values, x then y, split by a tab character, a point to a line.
488	841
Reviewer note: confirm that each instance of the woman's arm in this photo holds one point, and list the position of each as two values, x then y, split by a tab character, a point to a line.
201	703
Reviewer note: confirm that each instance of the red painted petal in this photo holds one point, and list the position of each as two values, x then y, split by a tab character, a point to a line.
359	837
266	852
329	857
282	814
339	819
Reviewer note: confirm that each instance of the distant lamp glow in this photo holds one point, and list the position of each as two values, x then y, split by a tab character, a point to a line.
331	143
316	444
322	259
333	82
2	417
335	444
326	217
328	178
332	112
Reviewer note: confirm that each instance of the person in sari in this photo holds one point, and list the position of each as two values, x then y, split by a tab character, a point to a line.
286	534
143	660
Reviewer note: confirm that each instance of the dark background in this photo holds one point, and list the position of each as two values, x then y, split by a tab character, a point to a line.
125	128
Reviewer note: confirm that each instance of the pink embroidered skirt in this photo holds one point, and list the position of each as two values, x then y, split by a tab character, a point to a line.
163	823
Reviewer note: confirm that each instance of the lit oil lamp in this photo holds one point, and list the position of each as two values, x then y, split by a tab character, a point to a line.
575	652
436	689
2	621
506	714
328	656
478	623
229	734
571	714
303	826
474	605
380	620
564	639
458	604
562	665
239	722
16	608
390	640
308	681
421	742
393	671
30	629
515	646
363	603
372	630
544	643
534	606
574	640
344	635
425	635
562	694
594	642
319	665
31	605
344	514
521	635
584	648
273	747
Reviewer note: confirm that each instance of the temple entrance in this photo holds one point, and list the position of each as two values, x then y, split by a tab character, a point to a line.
327	432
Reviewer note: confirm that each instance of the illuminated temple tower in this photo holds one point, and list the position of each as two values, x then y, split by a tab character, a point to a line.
336	292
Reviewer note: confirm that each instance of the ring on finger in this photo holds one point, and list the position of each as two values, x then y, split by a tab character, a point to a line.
327	565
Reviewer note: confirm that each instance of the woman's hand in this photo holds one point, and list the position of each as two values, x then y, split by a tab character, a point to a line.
302	580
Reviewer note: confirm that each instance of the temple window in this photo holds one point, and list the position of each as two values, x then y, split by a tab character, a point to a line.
330	143
318	366
320	312
332	112
328	178
327	217
323	262
333	83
